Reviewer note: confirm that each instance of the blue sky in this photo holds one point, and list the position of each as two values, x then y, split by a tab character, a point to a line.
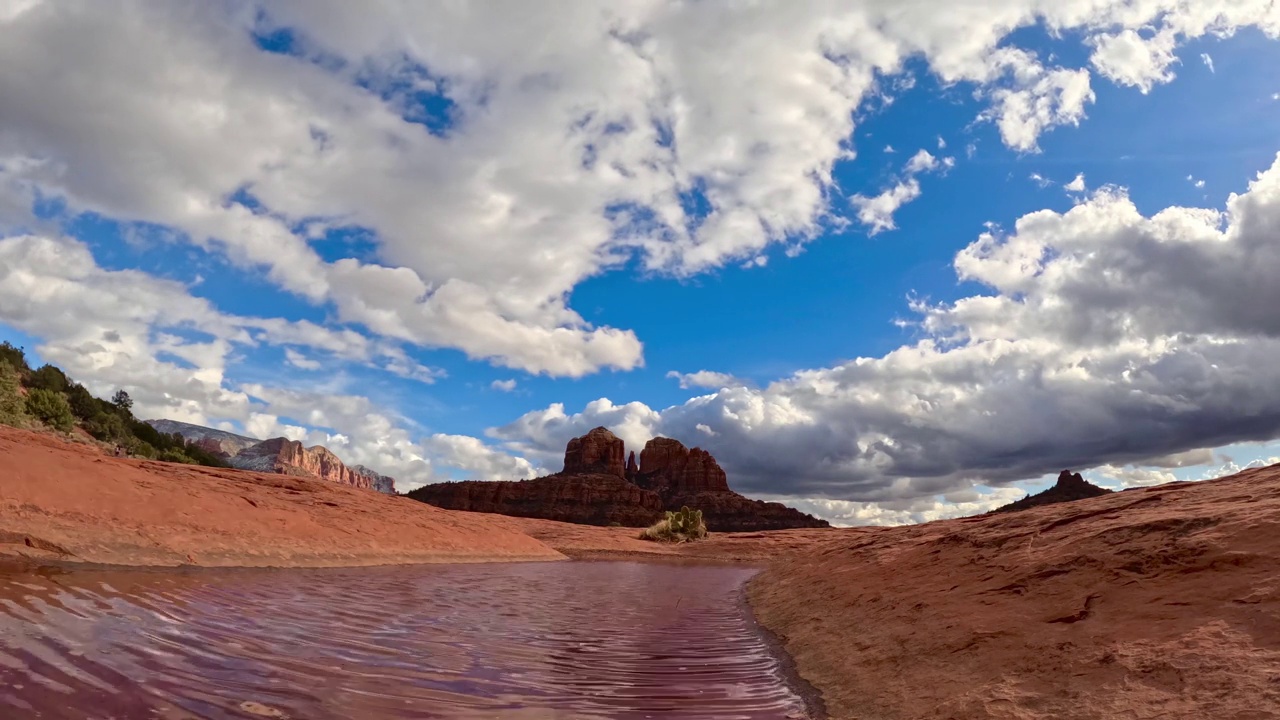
399	234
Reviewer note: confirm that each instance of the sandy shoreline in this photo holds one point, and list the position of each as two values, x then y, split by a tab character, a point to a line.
1161	602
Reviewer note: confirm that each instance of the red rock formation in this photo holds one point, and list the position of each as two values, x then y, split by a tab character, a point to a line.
588	498
668	476
289	457
599	451
1070	486
666	465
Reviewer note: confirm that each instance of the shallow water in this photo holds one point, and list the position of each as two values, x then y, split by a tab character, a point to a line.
521	640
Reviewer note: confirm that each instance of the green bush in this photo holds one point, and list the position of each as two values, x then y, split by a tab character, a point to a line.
14	357
83	405
177	456
106	426
683	525
49	378
50	408
13	410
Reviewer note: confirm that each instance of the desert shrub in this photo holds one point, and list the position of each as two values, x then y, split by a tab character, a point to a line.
83	404
13	410
14	357
141	449
50	408
106	426
175	455
683	525
47	377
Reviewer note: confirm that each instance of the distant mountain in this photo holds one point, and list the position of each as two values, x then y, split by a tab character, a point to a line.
381	483
215	441
1070	486
276	455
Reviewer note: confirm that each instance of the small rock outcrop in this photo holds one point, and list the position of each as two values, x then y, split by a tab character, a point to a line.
597	487
1070	486
599	451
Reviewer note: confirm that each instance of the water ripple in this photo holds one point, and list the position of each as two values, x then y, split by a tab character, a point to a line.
535	640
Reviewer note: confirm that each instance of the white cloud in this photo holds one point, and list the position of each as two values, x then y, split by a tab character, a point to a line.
876	212
1106	338
1208	61
889	149
1040	180
507	385
483	230
705	379
298	360
942	144
1077	185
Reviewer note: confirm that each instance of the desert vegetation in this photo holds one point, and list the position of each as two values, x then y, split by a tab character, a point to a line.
683	525
46	397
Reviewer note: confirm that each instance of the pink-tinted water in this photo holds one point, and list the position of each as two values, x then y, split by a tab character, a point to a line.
535	640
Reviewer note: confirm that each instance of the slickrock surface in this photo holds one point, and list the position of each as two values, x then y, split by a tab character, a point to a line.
1161	602
70	502
586	542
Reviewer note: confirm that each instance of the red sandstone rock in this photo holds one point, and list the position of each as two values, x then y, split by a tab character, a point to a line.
599	451
1070	487
588	498
666	465
668	476
289	457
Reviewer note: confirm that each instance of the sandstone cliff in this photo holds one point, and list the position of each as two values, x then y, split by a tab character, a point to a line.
599	451
289	457
597	487
278	455
588	498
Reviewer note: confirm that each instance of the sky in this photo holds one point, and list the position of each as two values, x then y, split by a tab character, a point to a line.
889	261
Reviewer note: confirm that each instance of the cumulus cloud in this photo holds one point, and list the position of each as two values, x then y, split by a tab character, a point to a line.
126	329
568	142
1107	338
1077	185
704	379
507	385
1208	61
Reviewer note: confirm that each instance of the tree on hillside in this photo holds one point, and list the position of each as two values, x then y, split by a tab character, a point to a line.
15	356
83	403
48	377
51	408
122	400
12	408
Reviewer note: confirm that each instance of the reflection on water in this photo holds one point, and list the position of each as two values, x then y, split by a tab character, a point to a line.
535	640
